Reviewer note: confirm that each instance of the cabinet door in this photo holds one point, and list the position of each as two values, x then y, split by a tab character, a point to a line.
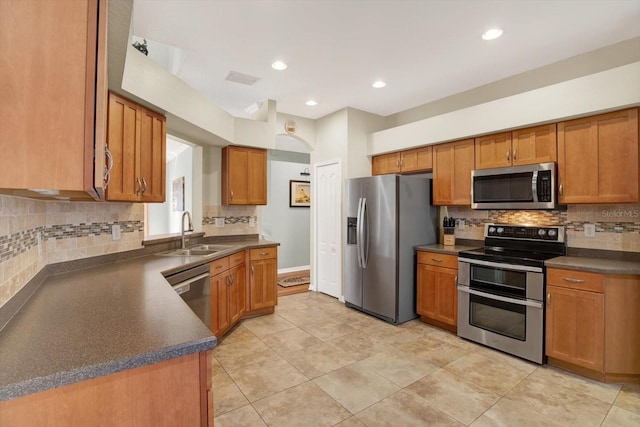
575	327
257	177
152	155
122	140
237	292
534	145
262	283
417	160
493	151
598	158
48	75
452	166
385	164
220	320
437	294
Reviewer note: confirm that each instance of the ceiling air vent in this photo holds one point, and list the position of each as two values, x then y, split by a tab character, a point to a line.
244	79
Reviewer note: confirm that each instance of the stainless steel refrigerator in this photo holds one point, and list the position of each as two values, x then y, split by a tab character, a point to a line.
387	216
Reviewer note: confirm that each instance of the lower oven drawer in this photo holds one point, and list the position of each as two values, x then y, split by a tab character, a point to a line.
507	324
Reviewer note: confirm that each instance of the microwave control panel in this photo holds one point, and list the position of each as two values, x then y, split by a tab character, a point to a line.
544	186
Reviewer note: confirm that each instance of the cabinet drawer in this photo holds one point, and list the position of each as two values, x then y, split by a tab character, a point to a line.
219	265
437	259
572	279
264	253
236	259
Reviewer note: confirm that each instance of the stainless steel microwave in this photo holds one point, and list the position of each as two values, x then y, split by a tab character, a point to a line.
517	187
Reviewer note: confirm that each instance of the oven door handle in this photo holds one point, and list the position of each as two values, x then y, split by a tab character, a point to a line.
501	265
528	303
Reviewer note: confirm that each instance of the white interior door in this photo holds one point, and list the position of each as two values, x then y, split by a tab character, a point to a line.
328	226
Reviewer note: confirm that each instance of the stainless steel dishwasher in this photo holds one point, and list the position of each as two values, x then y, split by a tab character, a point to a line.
193	287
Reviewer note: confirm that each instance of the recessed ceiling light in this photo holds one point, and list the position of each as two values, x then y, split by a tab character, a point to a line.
379	84
311	103
491	34
279	65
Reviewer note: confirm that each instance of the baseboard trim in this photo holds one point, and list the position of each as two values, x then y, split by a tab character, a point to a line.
292	269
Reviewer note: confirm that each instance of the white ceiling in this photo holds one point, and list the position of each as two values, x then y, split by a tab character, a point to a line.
424	50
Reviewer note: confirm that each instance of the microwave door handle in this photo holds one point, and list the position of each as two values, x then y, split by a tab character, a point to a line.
534	186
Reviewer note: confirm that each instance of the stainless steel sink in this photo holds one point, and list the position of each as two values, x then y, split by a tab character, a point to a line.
200	250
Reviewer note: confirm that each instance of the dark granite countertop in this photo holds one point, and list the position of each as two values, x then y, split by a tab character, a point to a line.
595	265
101	320
442	249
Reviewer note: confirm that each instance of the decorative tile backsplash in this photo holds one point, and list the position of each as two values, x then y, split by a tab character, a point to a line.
236	220
67	231
617	226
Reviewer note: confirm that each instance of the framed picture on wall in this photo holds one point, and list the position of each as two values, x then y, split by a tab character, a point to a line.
177	196
299	194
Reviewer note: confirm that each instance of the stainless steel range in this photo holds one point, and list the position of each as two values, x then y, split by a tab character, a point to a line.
501	288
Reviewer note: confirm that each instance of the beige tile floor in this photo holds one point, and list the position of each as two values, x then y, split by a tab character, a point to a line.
315	362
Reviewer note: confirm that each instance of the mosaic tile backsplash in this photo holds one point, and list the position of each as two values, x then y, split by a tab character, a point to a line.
617	226
237	220
67	231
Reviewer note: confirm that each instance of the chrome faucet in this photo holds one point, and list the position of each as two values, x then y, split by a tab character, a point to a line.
188	215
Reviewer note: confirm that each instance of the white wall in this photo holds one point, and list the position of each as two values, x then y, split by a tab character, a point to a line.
162	218
211	175
360	125
607	90
281	223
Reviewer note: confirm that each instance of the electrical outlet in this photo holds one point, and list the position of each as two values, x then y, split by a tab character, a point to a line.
461	224
115	232
39	240
252	221
219	222
590	230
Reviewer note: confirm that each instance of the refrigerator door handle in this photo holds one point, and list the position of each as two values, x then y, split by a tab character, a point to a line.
365	233
359	233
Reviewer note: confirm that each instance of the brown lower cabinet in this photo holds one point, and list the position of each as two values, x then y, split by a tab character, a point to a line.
176	392
228	292
593	324
436	289
238	291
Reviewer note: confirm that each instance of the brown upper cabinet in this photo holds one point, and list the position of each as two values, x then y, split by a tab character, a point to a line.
452	166
408	161
244	176
136	140
598	158
54	95
520	147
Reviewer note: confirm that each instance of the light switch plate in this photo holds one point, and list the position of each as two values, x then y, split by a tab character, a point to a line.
252	222
461	224
590	230
219	222
115	232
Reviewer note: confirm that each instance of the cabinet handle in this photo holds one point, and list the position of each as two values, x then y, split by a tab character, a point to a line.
139	186
456	279
231	194
515	155
252	270
144	183
560	190
218	267
107	172
229	280
508	155
548	298
572	280
436	259
263	253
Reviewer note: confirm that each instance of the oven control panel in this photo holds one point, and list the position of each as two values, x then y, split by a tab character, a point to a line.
528	232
